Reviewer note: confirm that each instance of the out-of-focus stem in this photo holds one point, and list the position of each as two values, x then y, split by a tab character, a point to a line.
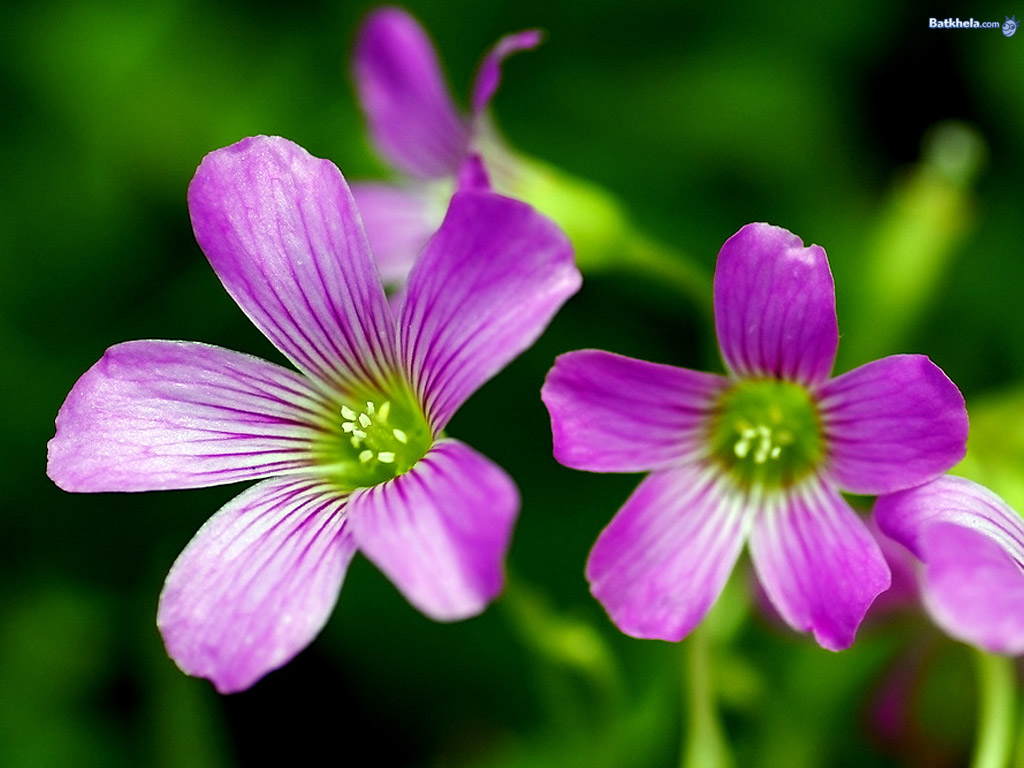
564	642
926	218
996	711
704	744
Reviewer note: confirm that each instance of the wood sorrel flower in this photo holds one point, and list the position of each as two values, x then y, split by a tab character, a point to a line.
971	544
761	453
350	453
416	127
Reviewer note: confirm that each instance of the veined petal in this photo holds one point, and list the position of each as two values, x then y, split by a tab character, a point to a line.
153	415
904	515
775	306
440	531
399	221
488	77
666	555
611	413
972	546
283	234
256	583
892	424
484	289
973	587
818	563
412	118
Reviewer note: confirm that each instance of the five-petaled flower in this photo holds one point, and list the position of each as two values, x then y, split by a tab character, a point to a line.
418	130
759	454
971	545
350	452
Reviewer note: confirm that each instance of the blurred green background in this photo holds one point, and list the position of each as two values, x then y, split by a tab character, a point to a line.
700	118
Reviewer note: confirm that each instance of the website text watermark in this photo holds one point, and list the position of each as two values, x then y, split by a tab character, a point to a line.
1008	27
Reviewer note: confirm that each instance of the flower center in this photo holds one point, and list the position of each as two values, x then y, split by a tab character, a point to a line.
376	439
767	432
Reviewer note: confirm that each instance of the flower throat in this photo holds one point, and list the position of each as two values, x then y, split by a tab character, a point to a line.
375	439
766	432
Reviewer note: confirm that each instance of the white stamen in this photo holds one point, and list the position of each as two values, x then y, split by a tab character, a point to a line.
385	457
348	413
369	408
364	420
385	409
359	433
365	456
356	442
400	436
347	427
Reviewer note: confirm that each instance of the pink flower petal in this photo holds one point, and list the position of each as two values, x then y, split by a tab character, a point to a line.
972	545
817	562
282	232
412	118
399	221
892	424
973	587
904	515
488	77
665	557
775	306
256	583
152	415
440	531
484	289
611	413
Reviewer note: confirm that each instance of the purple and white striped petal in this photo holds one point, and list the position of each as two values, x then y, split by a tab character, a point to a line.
484	289
611	413
412	118
399	221
892	424
488	77
904	516
153	415
440	531
666	555
818	563
257	582
775	306
283	234
973	587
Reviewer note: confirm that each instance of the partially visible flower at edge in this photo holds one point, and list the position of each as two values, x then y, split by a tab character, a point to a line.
350	452
420	133
761	453
418	130
970	544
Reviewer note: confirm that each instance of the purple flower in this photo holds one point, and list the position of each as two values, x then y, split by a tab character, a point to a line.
350	452
971	544
761	453
417	128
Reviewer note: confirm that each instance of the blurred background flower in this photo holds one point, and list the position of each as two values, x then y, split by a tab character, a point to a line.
699	119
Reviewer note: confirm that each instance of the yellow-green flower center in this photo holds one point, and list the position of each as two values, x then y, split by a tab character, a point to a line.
375	438
766	432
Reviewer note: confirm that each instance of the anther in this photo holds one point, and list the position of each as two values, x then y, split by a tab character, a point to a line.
400	436
385	457
348	413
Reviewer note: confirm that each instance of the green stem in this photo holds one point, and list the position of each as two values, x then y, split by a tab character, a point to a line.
647	257
565	643
996	711
704	745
